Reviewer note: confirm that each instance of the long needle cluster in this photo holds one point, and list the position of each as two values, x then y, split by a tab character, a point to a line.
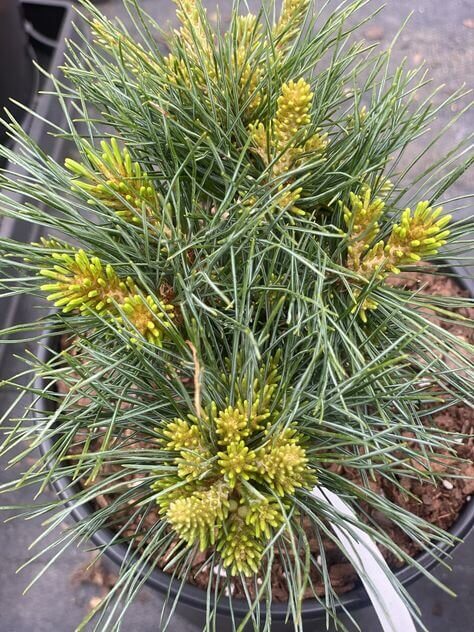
119	183
232	476
292	16
287	139
418	235
78	281
134	56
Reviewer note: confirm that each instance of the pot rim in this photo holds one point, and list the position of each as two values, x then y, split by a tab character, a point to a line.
193	596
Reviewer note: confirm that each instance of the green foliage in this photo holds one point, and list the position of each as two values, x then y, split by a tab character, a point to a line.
290	22
117	182
218	251
284	142
283	463
83	283
196	517
234	473
420	234
240	549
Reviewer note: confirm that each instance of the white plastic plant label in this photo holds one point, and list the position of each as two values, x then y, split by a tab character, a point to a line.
371	567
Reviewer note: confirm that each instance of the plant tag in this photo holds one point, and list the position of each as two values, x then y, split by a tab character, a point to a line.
371	567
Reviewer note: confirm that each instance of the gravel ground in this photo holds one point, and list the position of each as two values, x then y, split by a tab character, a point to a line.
442	33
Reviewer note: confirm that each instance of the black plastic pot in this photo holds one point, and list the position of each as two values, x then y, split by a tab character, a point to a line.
17	73
48	23
45	25
30	31
194	598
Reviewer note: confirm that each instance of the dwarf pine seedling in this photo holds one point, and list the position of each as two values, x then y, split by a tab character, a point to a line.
220	336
